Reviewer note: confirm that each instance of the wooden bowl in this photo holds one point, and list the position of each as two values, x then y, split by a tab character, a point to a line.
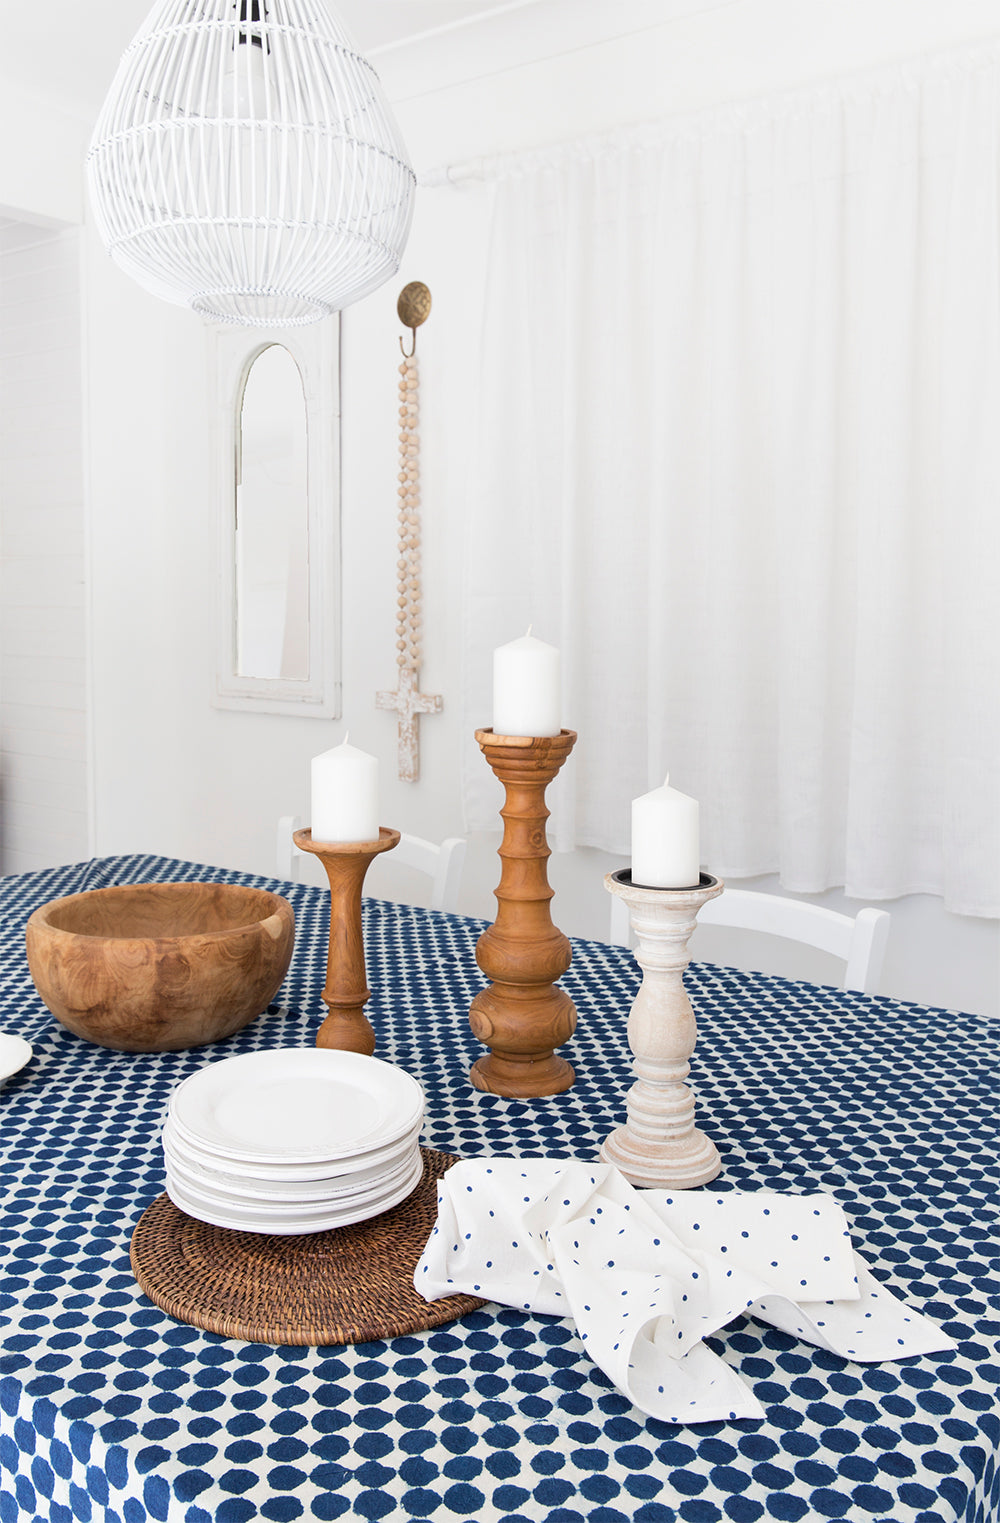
153	967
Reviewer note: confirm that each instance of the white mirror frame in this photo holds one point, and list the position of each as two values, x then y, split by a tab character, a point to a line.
315	350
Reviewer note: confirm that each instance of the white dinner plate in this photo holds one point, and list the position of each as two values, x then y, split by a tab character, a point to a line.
14	1053
264	1171
296	1105
241	1189
288	1210
273	1226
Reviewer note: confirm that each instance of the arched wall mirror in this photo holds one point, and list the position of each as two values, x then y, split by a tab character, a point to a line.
272	521
279	521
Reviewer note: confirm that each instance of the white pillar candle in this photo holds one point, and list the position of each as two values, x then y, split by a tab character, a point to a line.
665	851
344	795
526	688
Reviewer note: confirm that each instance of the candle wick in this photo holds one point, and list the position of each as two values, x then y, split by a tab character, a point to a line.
347	736
666	780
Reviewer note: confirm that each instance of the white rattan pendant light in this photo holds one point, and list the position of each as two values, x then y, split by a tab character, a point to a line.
246	163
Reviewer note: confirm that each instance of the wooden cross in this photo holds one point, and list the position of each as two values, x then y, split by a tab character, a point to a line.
409	702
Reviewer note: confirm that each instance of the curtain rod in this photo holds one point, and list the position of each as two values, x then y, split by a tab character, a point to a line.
806	96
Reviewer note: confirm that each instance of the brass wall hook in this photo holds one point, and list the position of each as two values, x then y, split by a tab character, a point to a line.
413	308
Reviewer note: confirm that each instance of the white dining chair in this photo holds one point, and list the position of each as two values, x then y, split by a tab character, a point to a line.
858	940
442	863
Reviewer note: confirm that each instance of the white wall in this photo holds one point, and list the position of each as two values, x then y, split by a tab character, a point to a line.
42	153
43	719
176	776
562	68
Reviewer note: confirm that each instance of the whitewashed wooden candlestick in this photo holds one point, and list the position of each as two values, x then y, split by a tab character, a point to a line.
659	1145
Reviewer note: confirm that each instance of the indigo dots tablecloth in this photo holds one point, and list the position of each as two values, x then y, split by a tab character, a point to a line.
112	1413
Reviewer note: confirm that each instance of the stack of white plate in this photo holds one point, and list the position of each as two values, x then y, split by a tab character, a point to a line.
293	1140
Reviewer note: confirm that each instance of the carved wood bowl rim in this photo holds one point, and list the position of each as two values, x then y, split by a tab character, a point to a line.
387	839
277	909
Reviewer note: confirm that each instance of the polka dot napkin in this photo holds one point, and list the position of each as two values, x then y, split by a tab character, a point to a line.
647	1275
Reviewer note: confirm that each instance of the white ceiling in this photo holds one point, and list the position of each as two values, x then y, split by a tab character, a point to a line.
67	50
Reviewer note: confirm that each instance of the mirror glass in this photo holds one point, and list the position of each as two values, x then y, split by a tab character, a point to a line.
272	521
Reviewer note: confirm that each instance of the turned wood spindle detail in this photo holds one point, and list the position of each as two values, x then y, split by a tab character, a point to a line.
660	1145
346	993
522	1016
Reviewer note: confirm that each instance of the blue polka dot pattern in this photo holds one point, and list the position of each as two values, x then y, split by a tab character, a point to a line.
112	1413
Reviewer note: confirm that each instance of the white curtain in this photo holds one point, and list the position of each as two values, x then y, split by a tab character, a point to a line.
740	459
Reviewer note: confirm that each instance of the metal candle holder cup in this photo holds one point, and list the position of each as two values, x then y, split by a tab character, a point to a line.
660	1145
346	992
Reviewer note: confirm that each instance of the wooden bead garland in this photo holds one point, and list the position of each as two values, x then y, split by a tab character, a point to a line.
408	565
408	702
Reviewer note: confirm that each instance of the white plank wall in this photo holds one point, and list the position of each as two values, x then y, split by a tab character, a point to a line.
43	684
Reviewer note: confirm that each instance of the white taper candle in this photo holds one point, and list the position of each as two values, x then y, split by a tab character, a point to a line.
526	699
344	795
665	848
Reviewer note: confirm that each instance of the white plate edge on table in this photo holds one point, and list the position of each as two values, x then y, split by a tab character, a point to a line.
195	1103
329	1192
346	1218
234	1170
262	1180
289	1211
14	1053
292	1156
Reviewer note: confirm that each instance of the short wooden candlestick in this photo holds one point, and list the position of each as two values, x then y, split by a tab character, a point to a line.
660	1144
346	862
522	1016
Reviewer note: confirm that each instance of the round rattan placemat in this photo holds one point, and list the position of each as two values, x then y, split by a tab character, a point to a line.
349	1285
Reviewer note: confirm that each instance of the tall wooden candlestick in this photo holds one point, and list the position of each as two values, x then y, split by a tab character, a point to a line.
522	1016
346	862
660	1145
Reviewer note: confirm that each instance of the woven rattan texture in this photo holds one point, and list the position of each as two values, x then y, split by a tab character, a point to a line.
346	1286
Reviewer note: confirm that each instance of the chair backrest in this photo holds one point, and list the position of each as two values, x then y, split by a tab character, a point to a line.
288	854
859	940
443	863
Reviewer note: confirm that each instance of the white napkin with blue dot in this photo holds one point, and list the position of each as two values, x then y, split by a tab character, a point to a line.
647	1275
